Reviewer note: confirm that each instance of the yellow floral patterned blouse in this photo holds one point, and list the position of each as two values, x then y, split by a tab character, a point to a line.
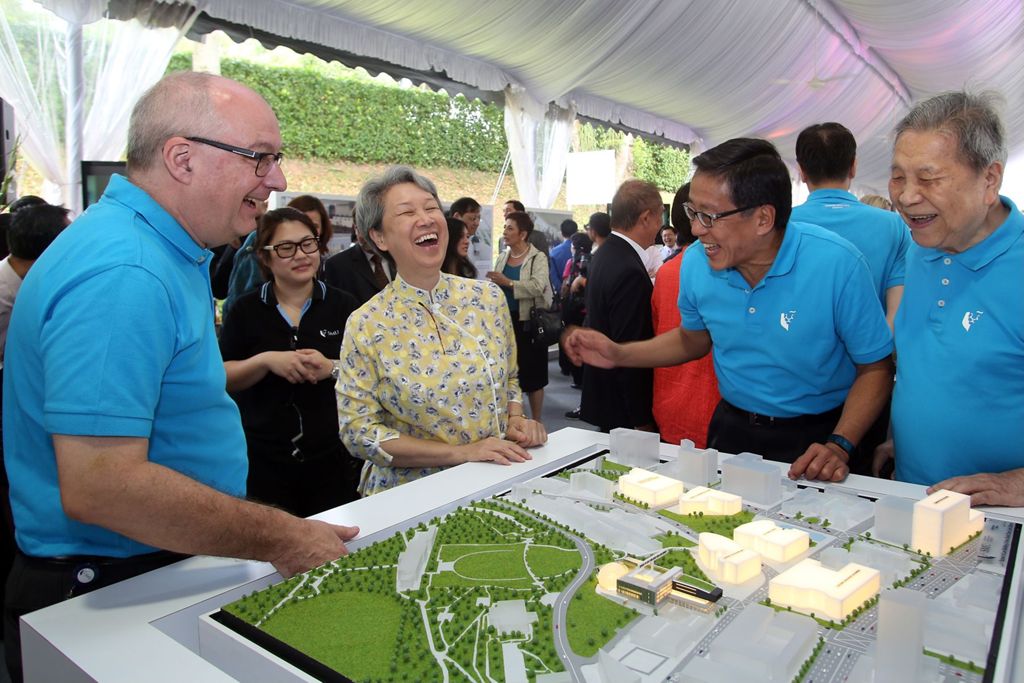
437	365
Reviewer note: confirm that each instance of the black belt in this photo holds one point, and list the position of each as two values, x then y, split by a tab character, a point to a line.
84	573
66	562
759	420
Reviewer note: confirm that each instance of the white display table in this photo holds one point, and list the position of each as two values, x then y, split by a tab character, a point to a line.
146	628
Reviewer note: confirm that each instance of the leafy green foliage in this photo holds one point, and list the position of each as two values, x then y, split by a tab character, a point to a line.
334	118
665	167
594	619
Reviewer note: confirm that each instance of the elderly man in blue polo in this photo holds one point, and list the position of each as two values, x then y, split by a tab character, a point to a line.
958	411
801	348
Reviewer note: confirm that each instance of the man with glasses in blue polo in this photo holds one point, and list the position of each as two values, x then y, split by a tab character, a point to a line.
802	350
123	449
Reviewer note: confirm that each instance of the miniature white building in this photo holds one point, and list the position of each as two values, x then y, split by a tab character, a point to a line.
942	521
649	487
611	670
900	638
726	560
696	466
634	447
830	594
758	645
510	615
630	532
894	519
772	542
413	560
609	574
588	483
750	477
844	511
710	502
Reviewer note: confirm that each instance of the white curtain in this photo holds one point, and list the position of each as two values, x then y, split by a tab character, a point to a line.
73	77
538	141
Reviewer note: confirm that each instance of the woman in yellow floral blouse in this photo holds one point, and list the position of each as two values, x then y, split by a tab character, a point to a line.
428	369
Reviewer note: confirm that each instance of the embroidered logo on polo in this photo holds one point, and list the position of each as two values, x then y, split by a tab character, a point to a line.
329	333
970	319
785	318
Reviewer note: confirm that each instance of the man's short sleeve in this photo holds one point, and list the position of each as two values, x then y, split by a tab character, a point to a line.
105	347
860	320
689	274
899	264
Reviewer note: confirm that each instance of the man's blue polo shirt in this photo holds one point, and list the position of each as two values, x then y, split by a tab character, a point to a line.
881	236
788	345
958	404
113	335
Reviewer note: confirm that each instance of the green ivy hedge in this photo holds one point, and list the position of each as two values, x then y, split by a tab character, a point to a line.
365	122
665	167
325	118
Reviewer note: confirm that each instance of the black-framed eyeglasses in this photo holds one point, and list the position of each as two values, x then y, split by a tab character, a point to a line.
708	219
309	245
264	160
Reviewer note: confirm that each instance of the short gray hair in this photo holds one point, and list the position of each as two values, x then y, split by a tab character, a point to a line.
178	104
370	203
972	119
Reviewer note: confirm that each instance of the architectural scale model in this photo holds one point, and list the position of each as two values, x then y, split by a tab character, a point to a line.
613	572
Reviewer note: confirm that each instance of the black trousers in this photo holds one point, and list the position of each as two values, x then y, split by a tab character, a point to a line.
305	487
35	583
733	430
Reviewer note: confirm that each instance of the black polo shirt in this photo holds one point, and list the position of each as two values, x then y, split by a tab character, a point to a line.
272	407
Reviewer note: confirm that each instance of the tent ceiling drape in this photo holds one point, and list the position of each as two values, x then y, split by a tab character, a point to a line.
697	72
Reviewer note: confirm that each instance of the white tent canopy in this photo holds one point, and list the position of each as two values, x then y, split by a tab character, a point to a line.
692	71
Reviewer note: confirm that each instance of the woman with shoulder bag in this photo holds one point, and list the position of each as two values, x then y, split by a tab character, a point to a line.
522	272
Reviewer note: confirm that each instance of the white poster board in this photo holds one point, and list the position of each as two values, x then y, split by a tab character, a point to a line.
590	177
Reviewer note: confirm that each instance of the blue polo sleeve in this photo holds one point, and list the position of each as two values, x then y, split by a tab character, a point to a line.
899	264
690	275
859	319
105	346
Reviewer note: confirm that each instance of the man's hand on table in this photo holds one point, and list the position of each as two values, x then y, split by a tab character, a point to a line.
1004	488
821	462
314	543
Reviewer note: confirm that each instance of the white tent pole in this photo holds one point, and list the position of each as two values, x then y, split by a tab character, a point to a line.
74	119
501	176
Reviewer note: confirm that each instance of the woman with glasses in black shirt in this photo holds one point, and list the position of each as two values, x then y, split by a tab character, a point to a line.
280	348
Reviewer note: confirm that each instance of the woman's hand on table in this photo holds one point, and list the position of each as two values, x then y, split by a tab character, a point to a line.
492	449
526	432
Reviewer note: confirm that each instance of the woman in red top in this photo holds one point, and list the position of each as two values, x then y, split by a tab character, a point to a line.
685	395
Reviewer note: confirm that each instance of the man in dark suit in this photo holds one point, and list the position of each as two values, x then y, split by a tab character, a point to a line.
619	305
358	271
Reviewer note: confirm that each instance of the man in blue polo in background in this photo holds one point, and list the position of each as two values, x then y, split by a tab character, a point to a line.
958	405
802	351
827	156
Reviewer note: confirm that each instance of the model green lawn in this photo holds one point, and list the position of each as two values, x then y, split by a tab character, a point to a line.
716	524
348	615
594	619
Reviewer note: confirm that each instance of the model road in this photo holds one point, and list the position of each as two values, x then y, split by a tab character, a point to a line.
560	623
